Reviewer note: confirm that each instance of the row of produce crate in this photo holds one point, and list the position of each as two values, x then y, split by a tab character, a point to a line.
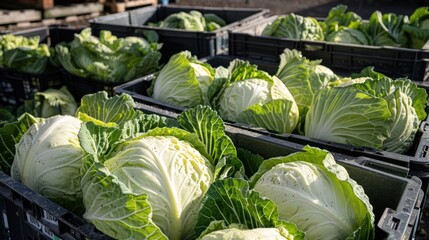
396	183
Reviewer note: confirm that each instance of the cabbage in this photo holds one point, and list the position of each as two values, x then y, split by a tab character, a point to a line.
247	95
371	111
24	54
48	160
150	184
348	35
54	101
295	27
316	194
303	78
48	157
386	29
169	172
183	81
305	195
108	58
418	27
191	21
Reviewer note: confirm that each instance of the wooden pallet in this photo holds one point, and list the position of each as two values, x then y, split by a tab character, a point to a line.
42	4
19	16
73	10
49	16
116	6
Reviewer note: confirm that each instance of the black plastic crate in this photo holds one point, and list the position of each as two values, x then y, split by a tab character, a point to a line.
247	41
79	86
202	43
15	86
415	161
27	215
397	200
370	173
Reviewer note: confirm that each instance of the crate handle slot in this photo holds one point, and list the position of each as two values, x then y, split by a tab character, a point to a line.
424	151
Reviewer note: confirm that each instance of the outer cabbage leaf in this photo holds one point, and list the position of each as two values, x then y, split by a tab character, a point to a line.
10	135
117	109
316	194
339	15
183	81
210	129
103	194
48	160
346	115
231	201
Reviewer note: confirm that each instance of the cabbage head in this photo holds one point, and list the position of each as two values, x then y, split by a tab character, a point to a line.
348	35
251	96
48	159
312	191
369	111
306	195
52	102
151	184
171	175
183	81
295	27
418	28
303	78
191	21
386	29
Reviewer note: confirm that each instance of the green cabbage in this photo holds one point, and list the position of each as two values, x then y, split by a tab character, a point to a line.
295	27
303	78
191	21
370	111
25	54
348	35
316	194
247	95
305	195
183	81
150	184
48	159
108	58
52	102
418	28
